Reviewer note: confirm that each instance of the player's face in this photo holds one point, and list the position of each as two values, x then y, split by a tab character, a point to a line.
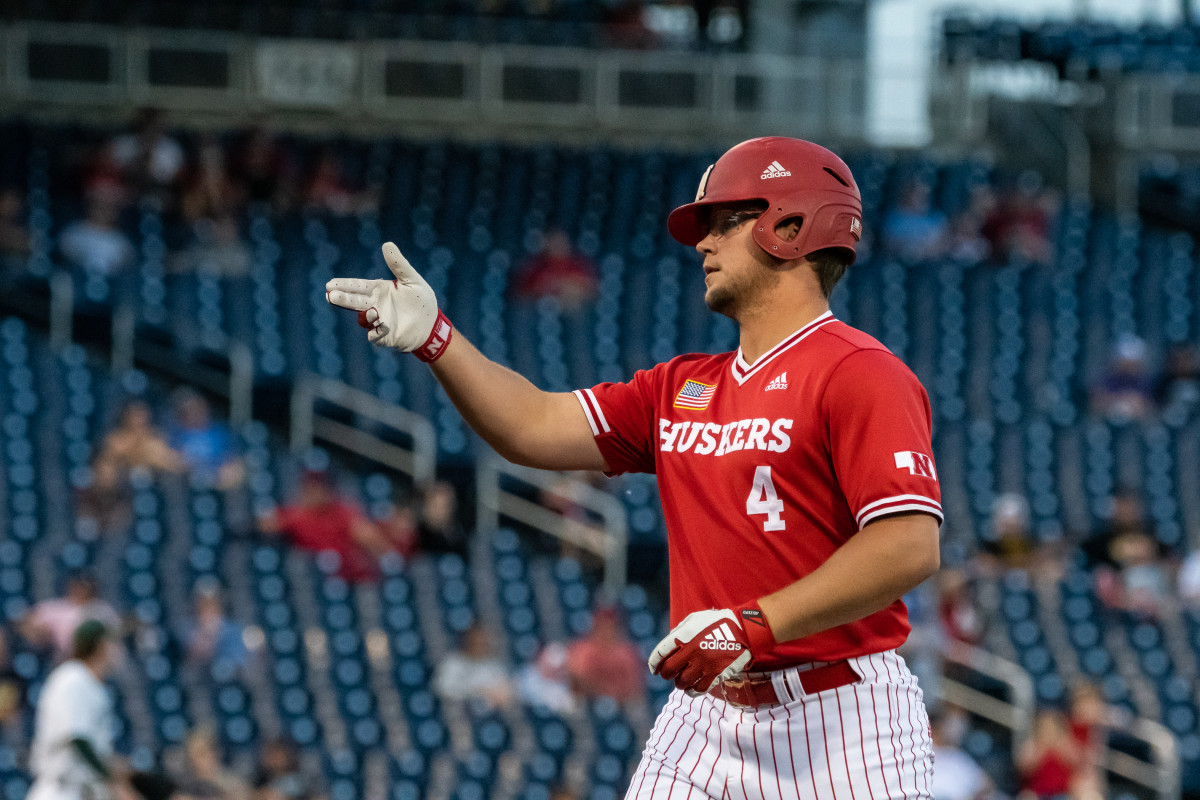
737	273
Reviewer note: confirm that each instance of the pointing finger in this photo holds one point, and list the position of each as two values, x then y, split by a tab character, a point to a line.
352	285
354	302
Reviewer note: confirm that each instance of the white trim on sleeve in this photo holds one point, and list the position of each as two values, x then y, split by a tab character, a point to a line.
587	412
901	502
599	411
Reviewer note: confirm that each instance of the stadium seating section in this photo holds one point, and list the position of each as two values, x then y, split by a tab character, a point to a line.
1076	49
1007	353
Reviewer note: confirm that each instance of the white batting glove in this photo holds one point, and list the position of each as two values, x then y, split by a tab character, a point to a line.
400	313
706	648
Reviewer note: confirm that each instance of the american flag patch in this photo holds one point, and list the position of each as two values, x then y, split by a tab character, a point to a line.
695	395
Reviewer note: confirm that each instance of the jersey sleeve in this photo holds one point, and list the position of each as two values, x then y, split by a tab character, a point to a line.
879	429
621	416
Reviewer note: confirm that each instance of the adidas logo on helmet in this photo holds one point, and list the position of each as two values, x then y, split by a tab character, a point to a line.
774	170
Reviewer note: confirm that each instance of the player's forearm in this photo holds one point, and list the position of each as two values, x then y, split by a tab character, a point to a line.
874	568
499	404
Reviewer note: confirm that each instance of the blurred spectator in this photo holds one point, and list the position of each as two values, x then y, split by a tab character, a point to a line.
1088	717
438	526
149	161
135	443
560	272
320	520
1126	390
398	530
12	691
217	249
605	662
965	242
959	612
913	230
207	446
106	501
1049	762
1010	545
1130	572
1018	227
52	623
956	775
211	641
329	190
545	682
279	775
206	778
1178	388
626	26
1140	583
474	672
14	235
262	167
1126	515
95	244
209	191
673	23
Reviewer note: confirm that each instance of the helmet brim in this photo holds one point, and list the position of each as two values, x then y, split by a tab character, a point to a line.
688	224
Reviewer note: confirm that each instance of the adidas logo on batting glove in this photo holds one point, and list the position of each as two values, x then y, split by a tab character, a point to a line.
711	646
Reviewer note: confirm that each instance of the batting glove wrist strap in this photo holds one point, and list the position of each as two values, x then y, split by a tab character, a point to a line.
758	630
438	339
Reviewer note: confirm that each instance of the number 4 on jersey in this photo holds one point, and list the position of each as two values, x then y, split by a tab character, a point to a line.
764	500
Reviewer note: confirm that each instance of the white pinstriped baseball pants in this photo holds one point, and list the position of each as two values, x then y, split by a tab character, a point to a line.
864	741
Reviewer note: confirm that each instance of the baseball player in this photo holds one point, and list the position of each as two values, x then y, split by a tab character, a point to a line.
72	750
796	480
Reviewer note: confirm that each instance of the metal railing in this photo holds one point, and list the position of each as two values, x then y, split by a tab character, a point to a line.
311	395
608	539
127	349
1161	773
1016	713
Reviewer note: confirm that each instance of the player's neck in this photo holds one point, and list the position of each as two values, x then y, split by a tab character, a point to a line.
760	331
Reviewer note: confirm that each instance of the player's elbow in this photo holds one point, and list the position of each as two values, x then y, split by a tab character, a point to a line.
925	555
929	561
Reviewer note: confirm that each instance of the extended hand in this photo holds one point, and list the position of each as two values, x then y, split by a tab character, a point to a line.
400	313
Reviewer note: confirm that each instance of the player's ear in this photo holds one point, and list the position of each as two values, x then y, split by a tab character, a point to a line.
789	228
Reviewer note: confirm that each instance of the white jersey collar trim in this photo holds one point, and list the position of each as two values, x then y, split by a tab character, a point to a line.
742	371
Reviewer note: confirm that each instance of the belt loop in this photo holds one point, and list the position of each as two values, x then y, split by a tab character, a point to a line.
779	682
791	680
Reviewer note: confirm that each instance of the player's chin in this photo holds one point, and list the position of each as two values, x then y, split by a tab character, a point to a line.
719	299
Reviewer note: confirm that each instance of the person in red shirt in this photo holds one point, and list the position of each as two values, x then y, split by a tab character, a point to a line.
1049	761
797	483
560	272
605	663
319	520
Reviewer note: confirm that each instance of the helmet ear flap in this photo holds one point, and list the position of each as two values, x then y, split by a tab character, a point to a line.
766	233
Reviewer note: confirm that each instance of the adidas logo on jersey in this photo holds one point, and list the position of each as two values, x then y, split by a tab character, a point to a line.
774	170
779	382
720	639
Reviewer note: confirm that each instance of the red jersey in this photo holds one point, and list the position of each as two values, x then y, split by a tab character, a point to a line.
765	469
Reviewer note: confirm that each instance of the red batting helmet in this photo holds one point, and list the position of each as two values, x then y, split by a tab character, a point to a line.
796	179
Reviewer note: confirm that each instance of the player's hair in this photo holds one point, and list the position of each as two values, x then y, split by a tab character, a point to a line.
830	265
88	638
